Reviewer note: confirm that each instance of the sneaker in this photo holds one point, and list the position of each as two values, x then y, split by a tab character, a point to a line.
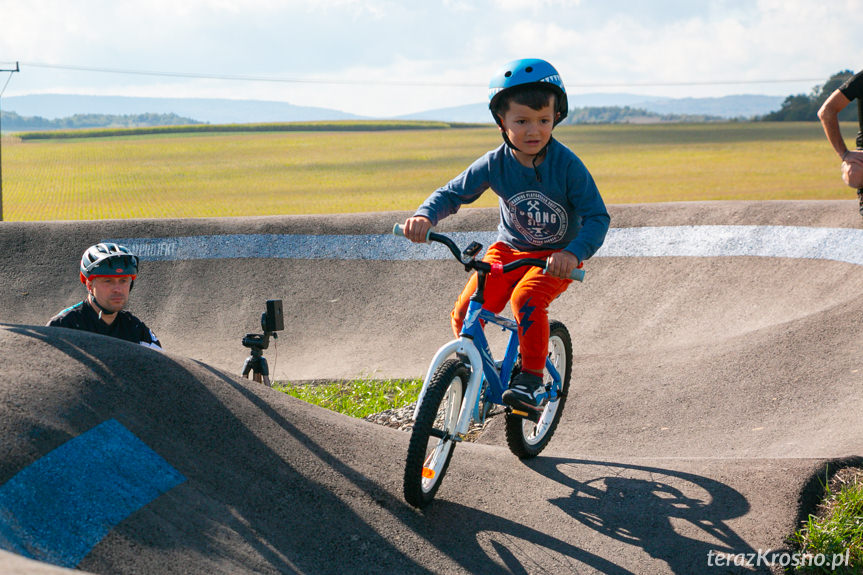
526	392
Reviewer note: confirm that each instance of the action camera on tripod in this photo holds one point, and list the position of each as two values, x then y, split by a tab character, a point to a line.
272	320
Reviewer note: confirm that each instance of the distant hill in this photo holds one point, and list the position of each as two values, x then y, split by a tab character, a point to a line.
225	111
471	114
213	111
743	106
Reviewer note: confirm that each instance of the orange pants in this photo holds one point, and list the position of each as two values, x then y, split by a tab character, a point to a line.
529	292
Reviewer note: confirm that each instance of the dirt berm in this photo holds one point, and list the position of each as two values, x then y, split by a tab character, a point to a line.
717	370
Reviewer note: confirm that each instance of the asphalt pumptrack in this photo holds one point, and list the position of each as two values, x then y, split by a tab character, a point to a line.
717	373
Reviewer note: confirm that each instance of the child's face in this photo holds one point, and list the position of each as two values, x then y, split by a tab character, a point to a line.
529	130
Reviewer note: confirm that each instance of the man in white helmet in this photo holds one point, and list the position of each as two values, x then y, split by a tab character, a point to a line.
108	271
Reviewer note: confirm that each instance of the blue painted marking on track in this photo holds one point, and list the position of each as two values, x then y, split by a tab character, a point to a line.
59	507
839	244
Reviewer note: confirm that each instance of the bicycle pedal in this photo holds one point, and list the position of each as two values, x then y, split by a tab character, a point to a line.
534	417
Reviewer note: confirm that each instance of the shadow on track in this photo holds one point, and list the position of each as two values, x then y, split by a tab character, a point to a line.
482	542
667	513
652	508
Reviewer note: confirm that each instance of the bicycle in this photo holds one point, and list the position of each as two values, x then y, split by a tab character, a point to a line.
458	390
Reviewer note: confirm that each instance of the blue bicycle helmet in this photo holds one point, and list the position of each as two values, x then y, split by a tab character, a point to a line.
523	72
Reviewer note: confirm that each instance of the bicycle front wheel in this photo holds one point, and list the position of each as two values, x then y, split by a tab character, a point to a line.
433	437
525	438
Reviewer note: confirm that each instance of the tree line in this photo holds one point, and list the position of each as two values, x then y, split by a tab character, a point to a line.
804	107
627	115
14	122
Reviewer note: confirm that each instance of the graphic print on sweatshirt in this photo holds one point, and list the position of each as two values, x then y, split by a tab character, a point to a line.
538	218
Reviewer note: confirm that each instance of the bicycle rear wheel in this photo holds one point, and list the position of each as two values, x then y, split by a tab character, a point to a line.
525	438
433	437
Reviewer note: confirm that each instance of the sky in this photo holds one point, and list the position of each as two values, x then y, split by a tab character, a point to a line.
385	58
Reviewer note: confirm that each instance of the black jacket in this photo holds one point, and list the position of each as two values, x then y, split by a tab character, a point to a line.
126	326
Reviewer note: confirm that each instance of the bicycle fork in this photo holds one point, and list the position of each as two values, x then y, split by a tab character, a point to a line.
464	346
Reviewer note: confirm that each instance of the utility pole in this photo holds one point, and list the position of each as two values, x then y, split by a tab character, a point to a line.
11	71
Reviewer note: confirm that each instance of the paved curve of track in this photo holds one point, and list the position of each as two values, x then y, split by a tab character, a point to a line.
718	368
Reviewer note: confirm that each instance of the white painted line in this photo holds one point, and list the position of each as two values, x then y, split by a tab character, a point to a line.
838	244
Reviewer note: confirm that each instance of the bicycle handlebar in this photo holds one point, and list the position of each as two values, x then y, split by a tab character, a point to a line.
398	230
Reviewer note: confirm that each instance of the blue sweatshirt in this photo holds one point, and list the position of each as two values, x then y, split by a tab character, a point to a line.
562	210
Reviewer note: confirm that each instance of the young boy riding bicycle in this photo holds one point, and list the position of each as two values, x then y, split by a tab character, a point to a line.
550	208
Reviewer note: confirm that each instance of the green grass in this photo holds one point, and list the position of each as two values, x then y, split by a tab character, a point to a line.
358	397
341	170
335	126
837	528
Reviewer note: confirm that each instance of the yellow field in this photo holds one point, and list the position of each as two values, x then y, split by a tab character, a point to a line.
268	173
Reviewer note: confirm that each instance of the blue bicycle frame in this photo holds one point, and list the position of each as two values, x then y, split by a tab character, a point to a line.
472	340
498	375
473	344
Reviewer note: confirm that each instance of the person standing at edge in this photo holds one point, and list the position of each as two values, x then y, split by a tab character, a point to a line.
852	160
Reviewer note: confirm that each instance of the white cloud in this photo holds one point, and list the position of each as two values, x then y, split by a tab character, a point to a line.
533	5
460	6
778	40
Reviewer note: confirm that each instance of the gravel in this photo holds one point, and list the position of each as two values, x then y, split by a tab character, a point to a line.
401	418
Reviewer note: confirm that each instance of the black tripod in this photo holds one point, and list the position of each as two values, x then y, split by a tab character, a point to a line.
272	321
256	363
